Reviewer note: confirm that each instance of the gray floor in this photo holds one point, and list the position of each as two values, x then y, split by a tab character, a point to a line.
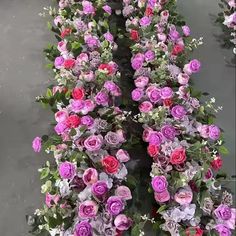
23	76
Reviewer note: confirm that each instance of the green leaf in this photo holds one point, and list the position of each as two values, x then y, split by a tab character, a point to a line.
223	150
44	173
162	208
135	231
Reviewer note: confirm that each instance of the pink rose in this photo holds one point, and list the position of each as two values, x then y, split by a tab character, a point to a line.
162	197
122	222
123	192
88	209
145	106
90	176
122	155
184	196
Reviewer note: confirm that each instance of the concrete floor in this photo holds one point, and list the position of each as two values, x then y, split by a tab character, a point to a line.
23	76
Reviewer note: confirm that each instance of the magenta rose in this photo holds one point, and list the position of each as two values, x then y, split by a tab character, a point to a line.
88	209
155	138
223	230
114	205
214	132
159	184
37	144
153	94
223	212
67	170
83	229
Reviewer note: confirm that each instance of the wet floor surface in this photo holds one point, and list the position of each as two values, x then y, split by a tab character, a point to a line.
23	76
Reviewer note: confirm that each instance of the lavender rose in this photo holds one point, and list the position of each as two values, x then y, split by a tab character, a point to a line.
100	188
122	222
214	132
159	184
149	55
112	138
145	21
102	98
168	132
223	230
114	205
93	143
83	229
186	30
166	93
37	144
178	112
155	138
88	209
67	170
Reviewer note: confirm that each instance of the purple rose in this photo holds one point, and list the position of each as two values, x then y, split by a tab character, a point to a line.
178	112
159	184
214	132
194	65
87	120
58	63
168	132
174	35
149	55
90	176
166	93
137	61
109	37
223	230
114	205
122	222
145	21
102	98
155	138
67	170
93	143
223	212
91	41
110	86
60	128
186	30
88	8
76	105
99	188
88	209
137	94
83	229
37	144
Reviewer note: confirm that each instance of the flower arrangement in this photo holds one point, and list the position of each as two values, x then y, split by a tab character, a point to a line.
227	19
183	141
86	188
85	192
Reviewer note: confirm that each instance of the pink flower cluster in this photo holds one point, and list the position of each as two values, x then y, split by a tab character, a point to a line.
183	144
88	123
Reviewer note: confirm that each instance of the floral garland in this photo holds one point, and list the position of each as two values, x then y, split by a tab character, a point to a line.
228	19
184	142
85	194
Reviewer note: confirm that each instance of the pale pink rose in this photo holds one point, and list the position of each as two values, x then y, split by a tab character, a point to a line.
122	222
141	81
203	130
61	115
51	199
184	196
61	46
90	176
183	78
123	192
122	155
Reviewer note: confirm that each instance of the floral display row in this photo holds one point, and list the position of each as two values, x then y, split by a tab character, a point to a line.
86	185
183	141
85	190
